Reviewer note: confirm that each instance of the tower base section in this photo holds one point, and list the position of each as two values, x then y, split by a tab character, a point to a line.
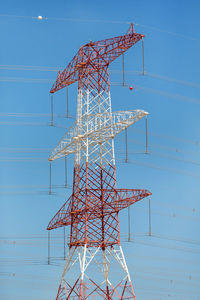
88	271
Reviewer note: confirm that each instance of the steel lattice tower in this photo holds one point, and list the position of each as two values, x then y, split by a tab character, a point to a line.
92	211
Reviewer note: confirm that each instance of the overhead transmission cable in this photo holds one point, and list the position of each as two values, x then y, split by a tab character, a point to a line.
157	154
152	166
148	242
114	71
137	87
79	20
157	167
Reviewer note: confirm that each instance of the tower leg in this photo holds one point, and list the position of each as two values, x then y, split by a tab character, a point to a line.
88	271
128	292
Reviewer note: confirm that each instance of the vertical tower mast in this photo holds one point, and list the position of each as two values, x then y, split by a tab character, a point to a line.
92	211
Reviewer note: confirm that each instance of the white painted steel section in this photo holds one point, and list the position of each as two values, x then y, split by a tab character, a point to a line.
95	255
91	137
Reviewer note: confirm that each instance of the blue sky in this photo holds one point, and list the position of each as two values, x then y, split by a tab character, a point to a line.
164	266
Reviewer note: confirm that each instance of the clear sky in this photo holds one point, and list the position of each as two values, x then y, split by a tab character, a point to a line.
163	266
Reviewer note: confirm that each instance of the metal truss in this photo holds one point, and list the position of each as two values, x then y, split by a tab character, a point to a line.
95	56
116	200
93	128
92	211
82	262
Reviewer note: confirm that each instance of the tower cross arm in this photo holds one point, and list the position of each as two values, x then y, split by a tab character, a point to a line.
94	56
122	198
112	124
99	128
68	76
127	197
62	217
115	201
66	145
106	51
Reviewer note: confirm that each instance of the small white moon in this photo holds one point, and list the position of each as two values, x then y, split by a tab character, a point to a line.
39	17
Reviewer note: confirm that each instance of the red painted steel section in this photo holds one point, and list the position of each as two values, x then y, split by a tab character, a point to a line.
93	59
123	290
92	210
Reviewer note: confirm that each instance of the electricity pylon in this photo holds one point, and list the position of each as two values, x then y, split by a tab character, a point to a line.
92	211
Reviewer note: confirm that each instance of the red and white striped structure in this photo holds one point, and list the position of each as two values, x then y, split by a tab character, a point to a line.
92	211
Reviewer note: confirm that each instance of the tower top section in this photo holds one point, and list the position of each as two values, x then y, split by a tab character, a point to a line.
94	57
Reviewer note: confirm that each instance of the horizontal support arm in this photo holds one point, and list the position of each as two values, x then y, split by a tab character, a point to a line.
99	128
114	201
94	56
62	217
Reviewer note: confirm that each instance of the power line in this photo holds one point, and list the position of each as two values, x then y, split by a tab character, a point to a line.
128	72
16	239
24	124
173	215
28	114
166	247
114	71
25	187
176	239
166	136
41	18
193	209
177	150
119	154
157	167
197	163
151	133
47	150
170	79
168	32
159	154
46	124
23	159
10	186
137	87
158	76
24	150
152	166
147	242
29	68
25	79
168	95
